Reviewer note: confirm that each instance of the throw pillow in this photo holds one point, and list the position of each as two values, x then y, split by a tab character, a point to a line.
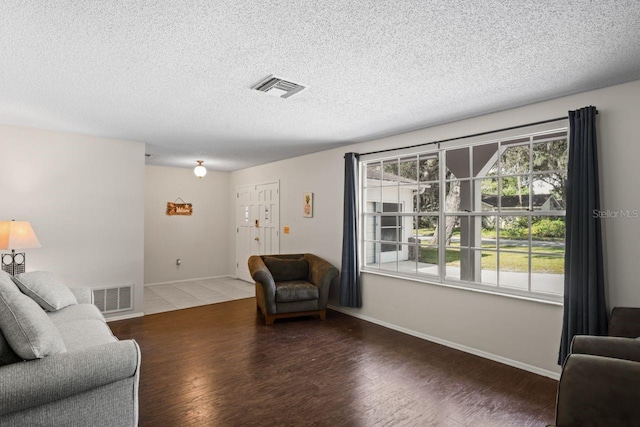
27	328
46	289
7	355
6	284
284	270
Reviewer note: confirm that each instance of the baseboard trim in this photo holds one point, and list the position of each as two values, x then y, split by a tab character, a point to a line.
189	280
451	344
124	316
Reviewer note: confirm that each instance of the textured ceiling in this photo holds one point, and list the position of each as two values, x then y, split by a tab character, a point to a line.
176	74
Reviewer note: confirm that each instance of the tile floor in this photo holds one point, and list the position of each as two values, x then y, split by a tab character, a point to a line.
174	296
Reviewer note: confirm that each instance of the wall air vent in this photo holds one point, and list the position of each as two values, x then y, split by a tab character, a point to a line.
276	86
113	299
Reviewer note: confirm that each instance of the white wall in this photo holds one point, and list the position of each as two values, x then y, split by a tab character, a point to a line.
201	240
83	196
320	174
522	333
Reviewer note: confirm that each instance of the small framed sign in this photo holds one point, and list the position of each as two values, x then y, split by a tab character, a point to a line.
179	208
307	205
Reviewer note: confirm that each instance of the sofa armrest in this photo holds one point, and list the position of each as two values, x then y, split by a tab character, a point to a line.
321	273
625	322
32	383
598	391
84	295
264	280
618	348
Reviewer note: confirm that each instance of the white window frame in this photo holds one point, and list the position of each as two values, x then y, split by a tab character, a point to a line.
440	277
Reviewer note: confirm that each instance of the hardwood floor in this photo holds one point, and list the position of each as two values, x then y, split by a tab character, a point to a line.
219	365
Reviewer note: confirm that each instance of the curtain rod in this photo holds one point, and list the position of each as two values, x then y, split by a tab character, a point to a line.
468	136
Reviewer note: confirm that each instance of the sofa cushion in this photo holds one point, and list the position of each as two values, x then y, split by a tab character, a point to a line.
296	290
46	289
27	328
284	270
85	333
76	312
83	294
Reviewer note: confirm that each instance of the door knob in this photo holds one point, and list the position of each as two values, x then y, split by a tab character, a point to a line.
257	239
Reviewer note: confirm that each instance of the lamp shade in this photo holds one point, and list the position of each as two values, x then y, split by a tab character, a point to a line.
17	235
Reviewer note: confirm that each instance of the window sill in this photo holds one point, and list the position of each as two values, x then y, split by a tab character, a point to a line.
551	300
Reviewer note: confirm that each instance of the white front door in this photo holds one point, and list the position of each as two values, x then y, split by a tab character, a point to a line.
257	224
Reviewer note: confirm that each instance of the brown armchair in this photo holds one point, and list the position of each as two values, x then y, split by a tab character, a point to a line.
600	381
291	285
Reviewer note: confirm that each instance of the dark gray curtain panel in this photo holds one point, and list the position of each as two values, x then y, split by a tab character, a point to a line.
350	292
585	310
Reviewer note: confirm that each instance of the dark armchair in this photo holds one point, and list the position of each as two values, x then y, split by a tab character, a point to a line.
291	285
600	381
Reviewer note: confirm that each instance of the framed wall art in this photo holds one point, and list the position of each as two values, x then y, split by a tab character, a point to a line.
307	205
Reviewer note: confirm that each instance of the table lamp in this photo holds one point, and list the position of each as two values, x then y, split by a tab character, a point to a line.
16	235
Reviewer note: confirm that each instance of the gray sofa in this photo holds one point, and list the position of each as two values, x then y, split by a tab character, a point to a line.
60	365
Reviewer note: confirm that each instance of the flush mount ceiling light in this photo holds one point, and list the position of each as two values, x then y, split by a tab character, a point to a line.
200	170
276	86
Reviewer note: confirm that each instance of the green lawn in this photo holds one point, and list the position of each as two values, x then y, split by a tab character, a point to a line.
509	261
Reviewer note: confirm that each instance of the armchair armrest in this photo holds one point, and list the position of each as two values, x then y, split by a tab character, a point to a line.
321	273
84	295
618	348
28	384
264	280
625	322
598	391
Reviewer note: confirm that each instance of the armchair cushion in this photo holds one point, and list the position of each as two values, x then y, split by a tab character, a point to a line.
296	290
46	289
284	270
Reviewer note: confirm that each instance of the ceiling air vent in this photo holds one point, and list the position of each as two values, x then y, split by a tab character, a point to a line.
276	86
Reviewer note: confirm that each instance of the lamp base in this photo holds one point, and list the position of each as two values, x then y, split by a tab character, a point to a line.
13	263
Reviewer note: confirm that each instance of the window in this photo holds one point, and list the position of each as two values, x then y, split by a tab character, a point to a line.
489	215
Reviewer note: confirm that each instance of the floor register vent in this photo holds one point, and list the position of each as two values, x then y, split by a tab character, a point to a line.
113	299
